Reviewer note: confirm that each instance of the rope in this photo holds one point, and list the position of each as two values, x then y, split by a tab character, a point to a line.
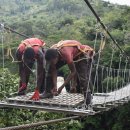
90	73
21	34
3	58
32	125
107	87
102	79
97	69
110	68
13	60
118	76
128	89
10	29
124	75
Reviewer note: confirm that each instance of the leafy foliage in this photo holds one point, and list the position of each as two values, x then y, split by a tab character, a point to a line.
52	21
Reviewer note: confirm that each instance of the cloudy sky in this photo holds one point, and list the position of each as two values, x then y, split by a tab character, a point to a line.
121	2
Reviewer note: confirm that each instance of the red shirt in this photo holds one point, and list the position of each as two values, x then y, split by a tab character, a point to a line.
68	53
35	43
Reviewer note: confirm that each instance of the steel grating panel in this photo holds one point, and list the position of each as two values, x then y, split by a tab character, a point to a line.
62	100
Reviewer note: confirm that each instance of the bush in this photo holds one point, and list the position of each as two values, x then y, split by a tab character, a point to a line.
8	82
111	83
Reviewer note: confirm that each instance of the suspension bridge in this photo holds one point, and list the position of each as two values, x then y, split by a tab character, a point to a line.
111	88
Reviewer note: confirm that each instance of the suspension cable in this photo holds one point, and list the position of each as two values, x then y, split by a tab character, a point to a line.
21	34
10	29
90	72
104	27
32	125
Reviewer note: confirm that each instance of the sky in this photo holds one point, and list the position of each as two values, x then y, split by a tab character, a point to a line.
121	2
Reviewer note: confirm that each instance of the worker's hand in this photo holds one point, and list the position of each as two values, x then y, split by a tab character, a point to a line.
73	90
60	89
36	96
54	91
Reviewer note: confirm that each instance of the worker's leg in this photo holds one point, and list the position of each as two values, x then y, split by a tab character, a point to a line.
83	71
24	72
42	87
73	84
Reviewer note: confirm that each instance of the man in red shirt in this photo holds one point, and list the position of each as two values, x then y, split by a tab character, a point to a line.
66	52
29	51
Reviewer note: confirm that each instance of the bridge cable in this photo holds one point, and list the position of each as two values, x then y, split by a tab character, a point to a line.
3	58
104	27
118	73
21	34
90	86
124	75
32	125
109	70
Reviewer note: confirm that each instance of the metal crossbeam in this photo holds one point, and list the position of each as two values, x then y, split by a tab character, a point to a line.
49	109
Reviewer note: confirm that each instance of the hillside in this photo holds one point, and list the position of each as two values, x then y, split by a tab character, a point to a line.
55	20
52	21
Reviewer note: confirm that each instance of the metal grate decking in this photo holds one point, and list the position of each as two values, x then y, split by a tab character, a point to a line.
65	103
62	100
71	103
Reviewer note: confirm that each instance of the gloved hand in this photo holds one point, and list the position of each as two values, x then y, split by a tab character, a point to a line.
36	95
22	89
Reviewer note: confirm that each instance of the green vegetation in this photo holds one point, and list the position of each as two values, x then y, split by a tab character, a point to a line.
52	21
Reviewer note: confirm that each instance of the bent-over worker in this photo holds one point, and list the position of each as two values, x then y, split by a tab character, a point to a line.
29	51
66	52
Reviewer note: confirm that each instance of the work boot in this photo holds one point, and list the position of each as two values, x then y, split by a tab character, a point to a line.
22	89
46	95
21	93
88	98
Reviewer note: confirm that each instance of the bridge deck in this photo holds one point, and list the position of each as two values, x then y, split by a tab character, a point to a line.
68	103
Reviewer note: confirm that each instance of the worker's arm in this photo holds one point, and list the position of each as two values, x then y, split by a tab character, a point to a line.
22	83
70	76
40	70
40	74
53	71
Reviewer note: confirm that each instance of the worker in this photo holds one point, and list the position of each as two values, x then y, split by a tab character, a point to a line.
29	51
78	57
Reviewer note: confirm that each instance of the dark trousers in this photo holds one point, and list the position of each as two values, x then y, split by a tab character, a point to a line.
83	72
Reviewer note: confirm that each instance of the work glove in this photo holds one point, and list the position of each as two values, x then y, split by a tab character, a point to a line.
36	95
